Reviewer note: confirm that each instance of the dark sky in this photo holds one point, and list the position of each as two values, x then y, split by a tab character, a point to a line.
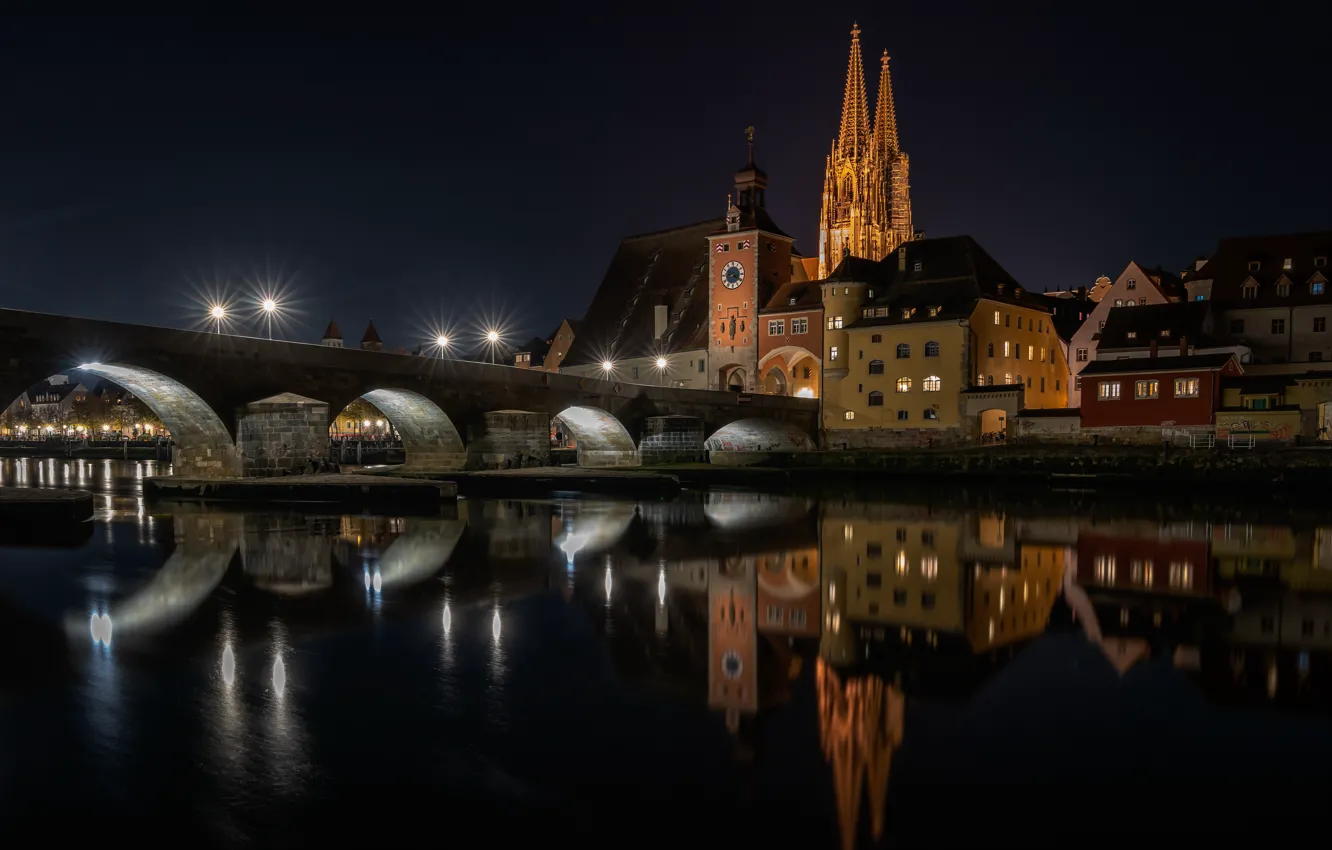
454	168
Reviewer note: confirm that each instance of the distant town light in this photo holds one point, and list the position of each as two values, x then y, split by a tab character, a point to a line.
379	423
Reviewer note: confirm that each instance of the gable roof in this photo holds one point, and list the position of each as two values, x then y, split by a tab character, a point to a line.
1180	320
371	335
795	295
332	332
1229	268
667	267
1141	365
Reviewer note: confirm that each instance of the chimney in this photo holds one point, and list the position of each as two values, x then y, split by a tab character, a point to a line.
1151	350
901	259
660	313
1183	346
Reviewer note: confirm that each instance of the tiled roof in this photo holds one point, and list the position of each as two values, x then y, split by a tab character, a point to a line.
332	332
666	267
1230	268
795	295
371	335
1138	365
1189	319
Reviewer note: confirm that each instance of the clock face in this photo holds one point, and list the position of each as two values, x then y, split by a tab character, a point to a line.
732	666
732	274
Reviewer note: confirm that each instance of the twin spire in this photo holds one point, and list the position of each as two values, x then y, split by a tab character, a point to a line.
856	138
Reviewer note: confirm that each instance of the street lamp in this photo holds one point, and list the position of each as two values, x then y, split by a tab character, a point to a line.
442	343
269	307
492	342
662	363
218	313
608	367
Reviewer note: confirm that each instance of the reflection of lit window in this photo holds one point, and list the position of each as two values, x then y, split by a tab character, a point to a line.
848	531
775	615
902	563
929	567
797	619
991	629
1140	571
1105	569
1181	574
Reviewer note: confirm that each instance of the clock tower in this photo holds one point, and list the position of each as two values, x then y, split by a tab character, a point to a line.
747	262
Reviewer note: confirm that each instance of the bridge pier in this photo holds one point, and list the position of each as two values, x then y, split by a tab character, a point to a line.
281	435
512	439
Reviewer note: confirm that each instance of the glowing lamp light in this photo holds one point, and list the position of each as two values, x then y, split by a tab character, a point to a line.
607	366
492	337
218	312
442	341
366	423
269	305
379	423
106	427
90	365
661	362
804	392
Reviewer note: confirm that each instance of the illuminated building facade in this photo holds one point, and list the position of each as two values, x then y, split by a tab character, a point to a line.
866	194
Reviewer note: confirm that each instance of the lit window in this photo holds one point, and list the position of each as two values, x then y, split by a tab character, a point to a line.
906	313
929	567
996	317
932	384
1008	351
849	415
1108	390
1317	287
1181	575
901	563
1140	571
1147	389
1285	264
934	311
832	353
1008	377
1105	569
1119	302
1186	387
1031	352
1132	334
837	322
904	385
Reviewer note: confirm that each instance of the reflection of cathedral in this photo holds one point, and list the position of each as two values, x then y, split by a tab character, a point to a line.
860	725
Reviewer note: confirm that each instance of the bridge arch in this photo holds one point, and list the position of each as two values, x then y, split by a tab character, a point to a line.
755	436
204	447
602	440
429	437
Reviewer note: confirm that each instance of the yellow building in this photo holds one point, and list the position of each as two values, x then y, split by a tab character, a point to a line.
936	345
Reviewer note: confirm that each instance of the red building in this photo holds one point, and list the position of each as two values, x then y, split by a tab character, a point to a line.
791	340
1151	391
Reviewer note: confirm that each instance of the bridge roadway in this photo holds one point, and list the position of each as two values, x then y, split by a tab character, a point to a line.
243	406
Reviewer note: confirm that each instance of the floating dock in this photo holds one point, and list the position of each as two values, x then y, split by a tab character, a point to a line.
344	490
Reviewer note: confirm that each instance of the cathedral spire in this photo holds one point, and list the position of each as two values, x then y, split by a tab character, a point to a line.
885	116
854	138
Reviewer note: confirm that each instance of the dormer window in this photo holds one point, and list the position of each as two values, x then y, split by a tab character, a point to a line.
934	311
906	313
1255	265
1001	289
1283	289
1320	262
1165	333
1285	264
1132	284
1132	334
1318	287
791	301
917	267
1250	290
869	293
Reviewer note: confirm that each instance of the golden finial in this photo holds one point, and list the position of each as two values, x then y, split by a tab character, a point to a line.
855	31
885	58
749	134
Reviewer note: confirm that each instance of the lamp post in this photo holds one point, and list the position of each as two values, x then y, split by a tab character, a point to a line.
442	343
662	365
269	307
608	368
218	313
492	341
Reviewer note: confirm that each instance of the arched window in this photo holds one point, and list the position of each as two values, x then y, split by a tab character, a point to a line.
876	399
903	351
876	367
1008	377
931	349
876	337
932	384
904	385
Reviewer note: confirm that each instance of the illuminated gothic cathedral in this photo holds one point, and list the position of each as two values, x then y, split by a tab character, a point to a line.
866	196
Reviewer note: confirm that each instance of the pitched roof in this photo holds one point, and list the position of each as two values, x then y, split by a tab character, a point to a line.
1139	365
951	273
1136	327
371	335
667	267
1068	311
794	295
1230	267
332	332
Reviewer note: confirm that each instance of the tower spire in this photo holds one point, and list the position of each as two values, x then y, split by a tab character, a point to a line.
885	116
855	135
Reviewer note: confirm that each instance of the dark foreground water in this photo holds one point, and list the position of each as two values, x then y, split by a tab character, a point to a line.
878	669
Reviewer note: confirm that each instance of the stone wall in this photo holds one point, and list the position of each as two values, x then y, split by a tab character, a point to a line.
672	439
511	439
839	439
281	435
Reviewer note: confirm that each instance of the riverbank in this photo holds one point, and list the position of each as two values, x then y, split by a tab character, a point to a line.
1068	467
555	480
80	452
355	491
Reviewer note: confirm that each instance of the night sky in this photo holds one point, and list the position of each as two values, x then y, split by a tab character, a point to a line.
452	169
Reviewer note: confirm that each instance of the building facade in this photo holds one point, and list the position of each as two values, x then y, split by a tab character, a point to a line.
1166	392
866	191
791	341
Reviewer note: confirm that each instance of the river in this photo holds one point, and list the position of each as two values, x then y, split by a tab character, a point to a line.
850	669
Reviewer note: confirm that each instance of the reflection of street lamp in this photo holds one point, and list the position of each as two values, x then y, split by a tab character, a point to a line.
662	365
218	313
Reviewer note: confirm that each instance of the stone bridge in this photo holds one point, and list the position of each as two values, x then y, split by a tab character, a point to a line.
242	406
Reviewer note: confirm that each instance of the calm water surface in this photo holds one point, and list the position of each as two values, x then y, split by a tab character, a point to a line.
888	669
